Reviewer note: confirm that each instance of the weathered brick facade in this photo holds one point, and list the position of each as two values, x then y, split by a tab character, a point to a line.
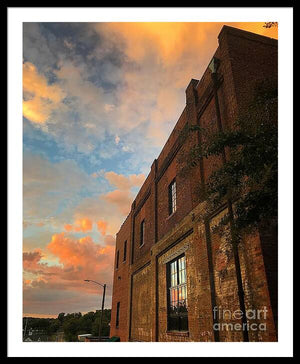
140	281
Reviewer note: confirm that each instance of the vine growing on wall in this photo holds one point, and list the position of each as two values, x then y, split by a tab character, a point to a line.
248	178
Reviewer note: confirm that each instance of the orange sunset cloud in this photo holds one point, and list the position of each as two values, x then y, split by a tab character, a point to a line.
40	99
172	39
68	227
79	259
102	226
122	197
122	182
83	225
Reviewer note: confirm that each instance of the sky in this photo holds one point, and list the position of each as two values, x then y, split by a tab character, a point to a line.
99	102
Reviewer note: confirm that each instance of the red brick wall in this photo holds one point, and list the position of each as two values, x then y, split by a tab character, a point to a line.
143	281
183	199
142	305
121	284
146	213
253	58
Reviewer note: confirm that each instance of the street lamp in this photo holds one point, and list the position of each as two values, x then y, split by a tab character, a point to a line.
103	298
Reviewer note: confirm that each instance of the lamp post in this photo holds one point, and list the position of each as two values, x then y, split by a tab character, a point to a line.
103	298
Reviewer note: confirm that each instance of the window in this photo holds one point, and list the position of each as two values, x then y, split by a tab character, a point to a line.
118	315
142	233
125	251
172	197
177	295
117	259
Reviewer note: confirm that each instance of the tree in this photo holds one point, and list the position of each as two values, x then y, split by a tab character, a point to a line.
86	322
53	327
61	317
75	324
72	324
105	323
248	177
71	329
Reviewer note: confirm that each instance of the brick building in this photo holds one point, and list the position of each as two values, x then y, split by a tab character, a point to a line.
167	255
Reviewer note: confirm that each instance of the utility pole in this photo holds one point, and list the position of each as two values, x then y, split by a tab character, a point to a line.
101	317
102	308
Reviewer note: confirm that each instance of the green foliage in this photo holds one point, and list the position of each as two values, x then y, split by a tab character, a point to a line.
76	324
53	328
105	323
72	325
60	317
44	328
71	328
248	176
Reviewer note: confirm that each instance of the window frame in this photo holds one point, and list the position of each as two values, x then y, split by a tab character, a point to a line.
142	233
181	317
172	195
118	315
125	251
117	259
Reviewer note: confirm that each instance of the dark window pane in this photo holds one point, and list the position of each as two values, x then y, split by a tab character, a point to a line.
125	251
117	260
142	232
184	323
173	323
118	314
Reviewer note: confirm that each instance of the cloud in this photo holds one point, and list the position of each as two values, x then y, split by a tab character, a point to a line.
146	65
69	44
167	40
122	182
26	224
109	240
117	139
73	79
108	107
107	210
82	225
96	209
79	259
136	180
79	254
31	259
122	197
68	227
52	188
40	98
102	226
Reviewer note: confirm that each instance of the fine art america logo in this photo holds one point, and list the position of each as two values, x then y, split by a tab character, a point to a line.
225	319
